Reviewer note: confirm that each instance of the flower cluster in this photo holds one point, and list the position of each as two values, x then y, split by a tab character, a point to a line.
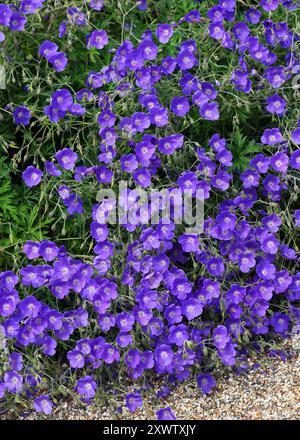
165	300
14	17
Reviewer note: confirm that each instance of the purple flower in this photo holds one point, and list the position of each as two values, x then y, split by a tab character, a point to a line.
7	307
73	204
178	334
51	169
272	136
106	322
159	116
215	266
189	242
246	261
134	401
260	163
48	345
276	104
133	358
297	217
280	322
295	160
163	356
266	270
98	39
169	144
59	61
104	175
173	314
62	99
124	339
270	244
97	5
210	111
13	382
187	182
269	5
62	29
2	389
76	359
168	65
47	49
165	414
32	276
208	90
180	105
272	223
77	110
216	30
32	176
217	143
280	162
30	6
43	404
225	158
144	152
31	249
296	136
16	361
164	32
48	250
84	95
287	252
276	76
106	119
186	60
188	83
8	280
66	158
250	179
21	115
17	22
220	337
142	177
30	307
271	183
241	31
191	308
282	281
206	382
54	320
253	15
5	15
228	354
181	287
86	387
53	113
148	49
129	162
140	121
125	321
216	14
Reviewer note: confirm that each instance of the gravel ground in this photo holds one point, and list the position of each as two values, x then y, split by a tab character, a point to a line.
271	391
